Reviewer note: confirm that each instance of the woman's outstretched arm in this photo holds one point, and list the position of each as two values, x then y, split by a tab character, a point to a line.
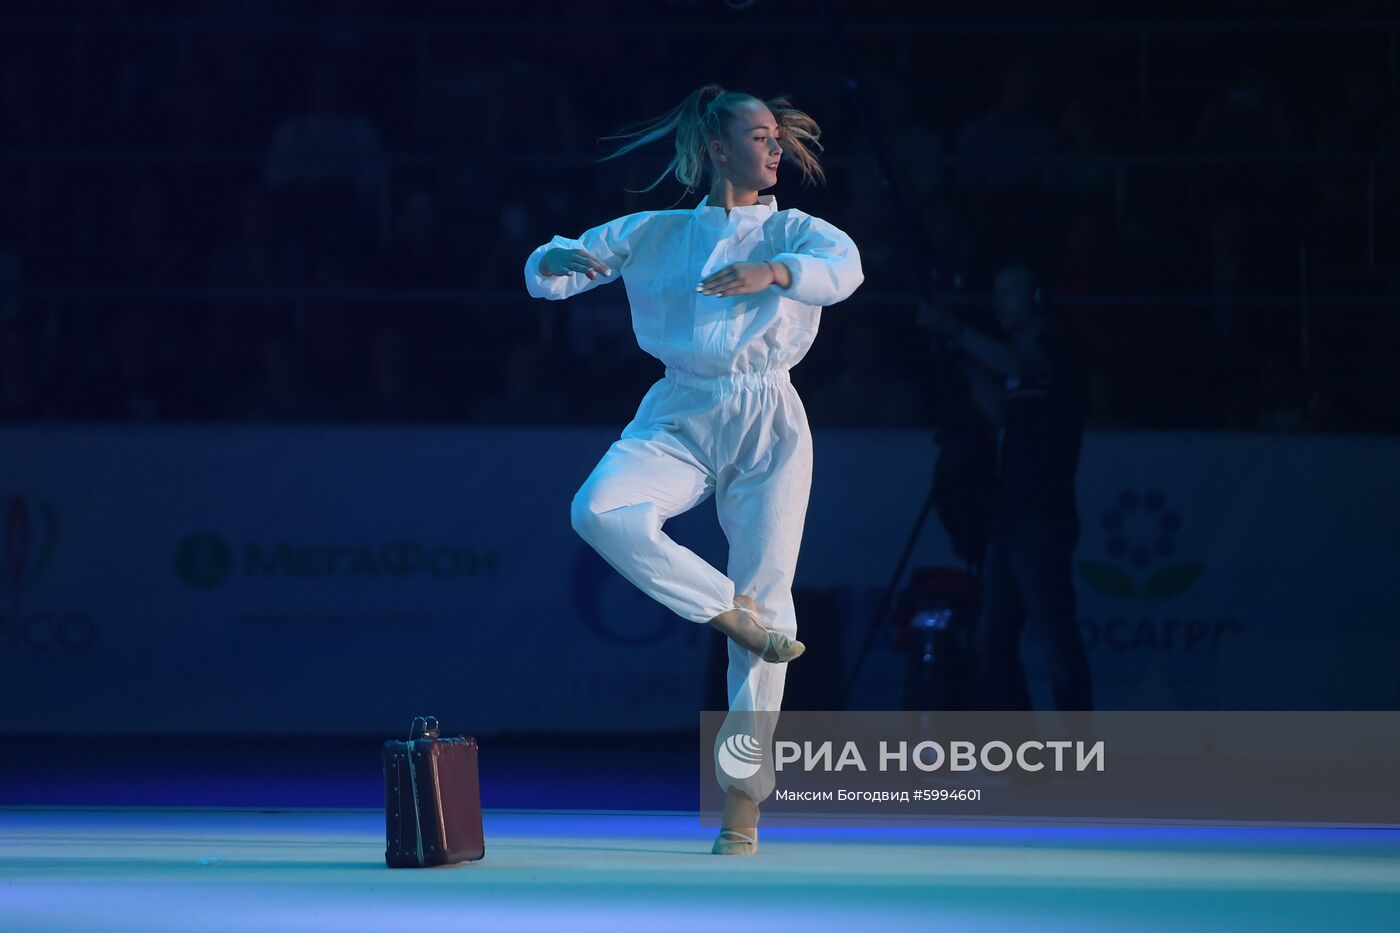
564	267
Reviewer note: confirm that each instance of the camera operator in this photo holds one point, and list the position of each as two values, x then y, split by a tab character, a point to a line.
1028	380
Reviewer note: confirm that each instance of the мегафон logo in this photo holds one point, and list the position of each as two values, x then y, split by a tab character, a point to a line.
205	559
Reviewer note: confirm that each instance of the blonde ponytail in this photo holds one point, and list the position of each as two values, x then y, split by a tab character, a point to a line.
704	116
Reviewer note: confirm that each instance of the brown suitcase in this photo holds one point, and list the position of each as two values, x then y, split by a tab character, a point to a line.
432	800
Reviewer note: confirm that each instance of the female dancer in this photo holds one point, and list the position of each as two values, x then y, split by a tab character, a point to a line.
728	295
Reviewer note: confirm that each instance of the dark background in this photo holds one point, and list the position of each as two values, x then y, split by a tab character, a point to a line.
1207	190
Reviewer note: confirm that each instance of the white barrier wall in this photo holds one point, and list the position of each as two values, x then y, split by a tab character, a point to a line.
332	580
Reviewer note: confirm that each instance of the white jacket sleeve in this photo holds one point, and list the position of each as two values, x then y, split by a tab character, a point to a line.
823	260
606	243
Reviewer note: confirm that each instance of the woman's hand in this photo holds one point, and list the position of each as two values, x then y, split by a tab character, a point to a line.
740	278
560	261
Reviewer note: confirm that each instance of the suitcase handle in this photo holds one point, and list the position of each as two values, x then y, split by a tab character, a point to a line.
424	727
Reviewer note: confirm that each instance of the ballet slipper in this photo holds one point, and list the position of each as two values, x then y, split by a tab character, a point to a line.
735	842
777	647
780	648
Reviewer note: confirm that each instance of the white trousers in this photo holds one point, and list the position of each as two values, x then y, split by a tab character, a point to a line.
743	438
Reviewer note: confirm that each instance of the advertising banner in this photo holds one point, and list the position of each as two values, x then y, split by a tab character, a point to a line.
340	580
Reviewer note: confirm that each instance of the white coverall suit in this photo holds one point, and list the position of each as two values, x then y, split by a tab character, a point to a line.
725	419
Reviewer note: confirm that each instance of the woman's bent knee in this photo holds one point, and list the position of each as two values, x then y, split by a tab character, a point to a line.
625	524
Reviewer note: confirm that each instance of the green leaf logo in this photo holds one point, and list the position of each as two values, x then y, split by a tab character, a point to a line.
1111	581
1172	580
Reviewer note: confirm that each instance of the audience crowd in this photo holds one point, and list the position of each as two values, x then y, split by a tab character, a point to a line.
325	217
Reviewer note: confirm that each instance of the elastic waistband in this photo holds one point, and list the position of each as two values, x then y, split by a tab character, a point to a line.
730	382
